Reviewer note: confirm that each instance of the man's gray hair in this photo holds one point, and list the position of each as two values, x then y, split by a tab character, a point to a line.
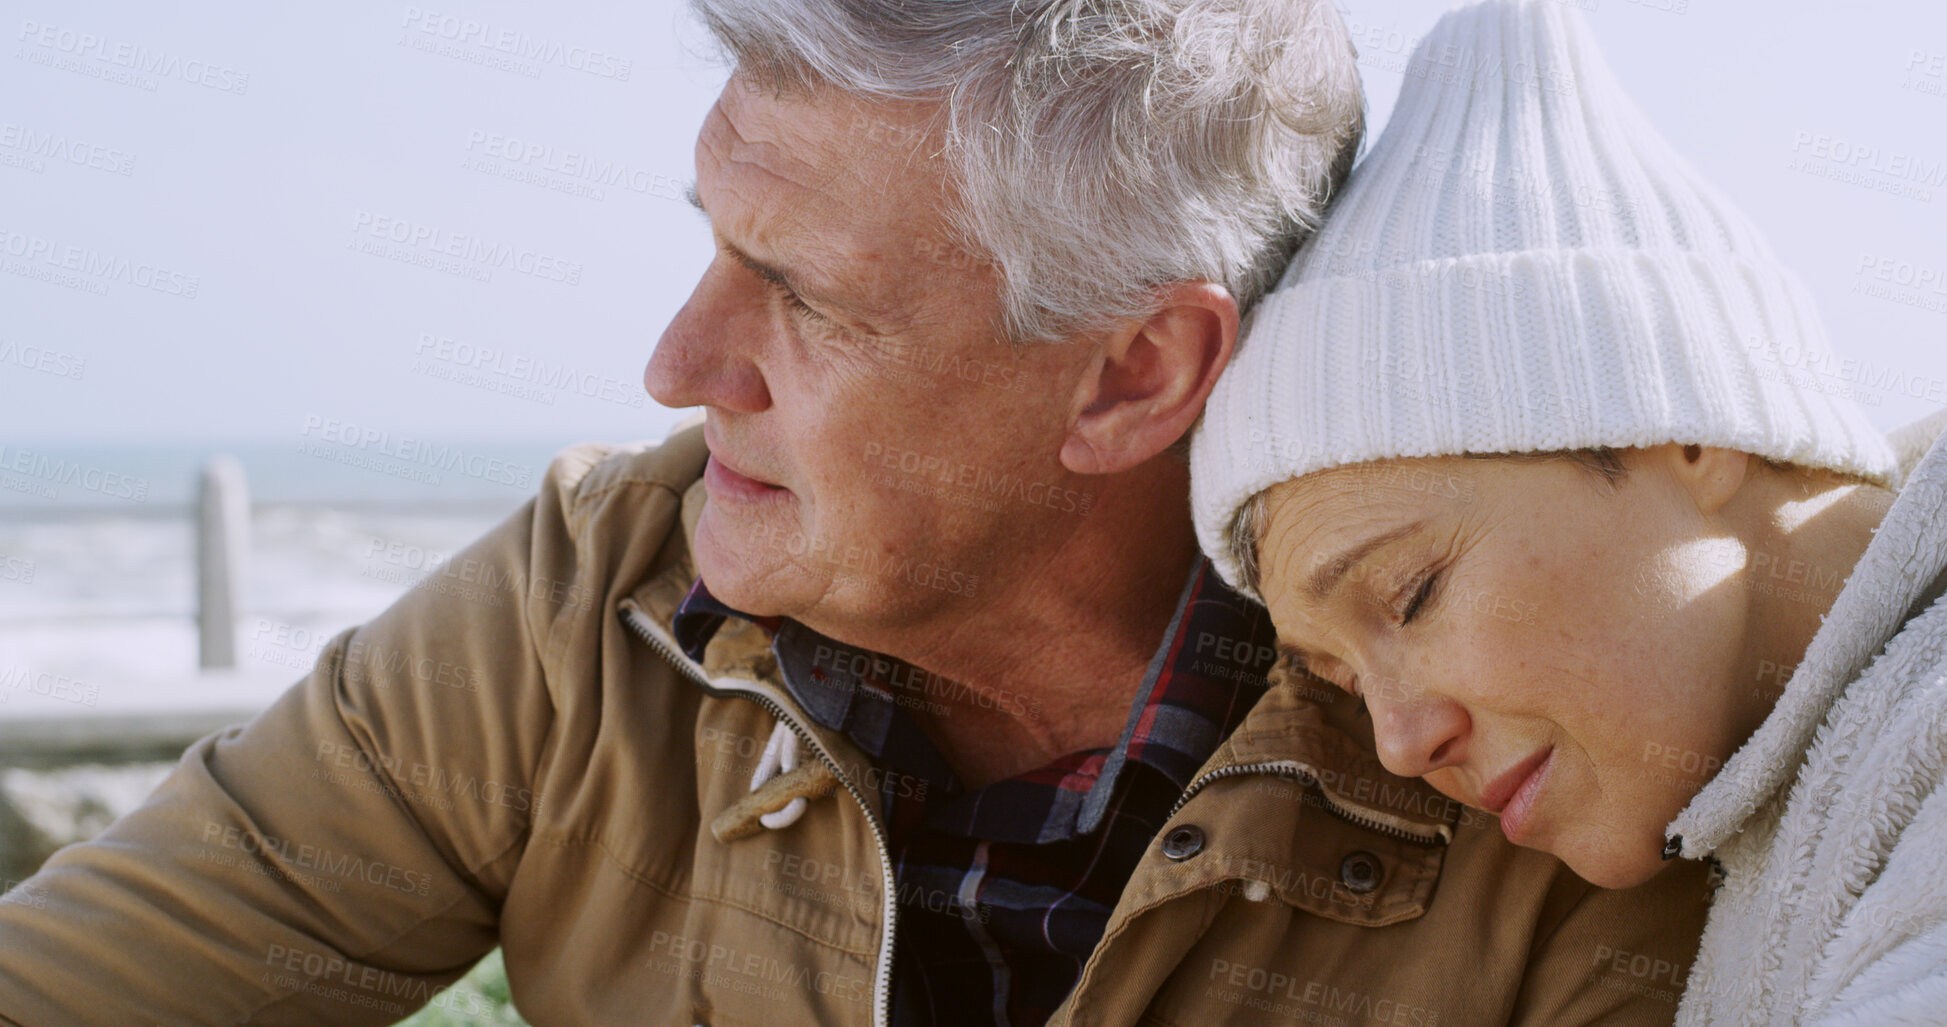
1102	148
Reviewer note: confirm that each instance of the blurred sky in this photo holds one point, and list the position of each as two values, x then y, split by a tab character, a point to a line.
191	194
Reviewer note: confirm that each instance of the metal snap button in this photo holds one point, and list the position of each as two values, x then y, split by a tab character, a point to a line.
1360	872
1183	842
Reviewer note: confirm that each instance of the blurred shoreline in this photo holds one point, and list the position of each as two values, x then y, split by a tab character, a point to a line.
98	584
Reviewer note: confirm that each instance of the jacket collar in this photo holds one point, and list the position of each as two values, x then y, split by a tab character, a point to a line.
739	649
1902	565
1309	731
1301	728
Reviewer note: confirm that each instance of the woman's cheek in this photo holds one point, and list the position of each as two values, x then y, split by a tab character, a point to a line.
1447	781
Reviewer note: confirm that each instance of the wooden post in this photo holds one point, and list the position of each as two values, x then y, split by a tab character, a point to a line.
222	539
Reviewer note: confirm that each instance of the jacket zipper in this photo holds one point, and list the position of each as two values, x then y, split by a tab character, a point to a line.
652	633
1304	775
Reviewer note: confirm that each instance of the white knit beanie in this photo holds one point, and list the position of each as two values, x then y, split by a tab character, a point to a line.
1521	264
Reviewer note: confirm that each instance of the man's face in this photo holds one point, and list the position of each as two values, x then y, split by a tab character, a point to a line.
878	451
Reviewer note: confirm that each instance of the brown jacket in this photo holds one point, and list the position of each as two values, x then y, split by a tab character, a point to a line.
513	754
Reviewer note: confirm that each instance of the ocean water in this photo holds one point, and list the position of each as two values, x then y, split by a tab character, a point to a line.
97	604
336	465
97	563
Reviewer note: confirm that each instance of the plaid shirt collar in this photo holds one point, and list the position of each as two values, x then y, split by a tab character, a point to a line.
1204	677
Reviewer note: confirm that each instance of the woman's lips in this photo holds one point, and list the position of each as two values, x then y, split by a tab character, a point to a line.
724	482
1514	793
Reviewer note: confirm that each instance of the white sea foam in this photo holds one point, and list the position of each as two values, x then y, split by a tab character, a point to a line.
97	609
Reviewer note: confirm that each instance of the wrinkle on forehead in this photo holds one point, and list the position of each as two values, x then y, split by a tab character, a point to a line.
1318	516
829	142
767	145
855	209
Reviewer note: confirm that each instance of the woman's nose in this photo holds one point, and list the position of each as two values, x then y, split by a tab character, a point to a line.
1416	730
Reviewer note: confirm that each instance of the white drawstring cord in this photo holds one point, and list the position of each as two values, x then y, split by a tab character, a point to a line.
780	757
778	775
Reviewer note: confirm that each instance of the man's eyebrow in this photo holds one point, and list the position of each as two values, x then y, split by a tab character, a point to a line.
1327	577
769	272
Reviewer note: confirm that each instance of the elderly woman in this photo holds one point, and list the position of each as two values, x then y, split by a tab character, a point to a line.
1502	457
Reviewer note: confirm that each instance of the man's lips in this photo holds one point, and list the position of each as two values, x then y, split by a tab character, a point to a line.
738	471
734	467
723	480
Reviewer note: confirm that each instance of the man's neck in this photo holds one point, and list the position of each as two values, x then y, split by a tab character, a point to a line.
1047	662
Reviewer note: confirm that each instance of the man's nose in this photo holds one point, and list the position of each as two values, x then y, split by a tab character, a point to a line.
1416	731
708	354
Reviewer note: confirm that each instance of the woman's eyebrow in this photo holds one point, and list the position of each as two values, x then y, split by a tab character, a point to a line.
1331	573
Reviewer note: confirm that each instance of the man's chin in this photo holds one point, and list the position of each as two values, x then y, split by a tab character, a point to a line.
743	567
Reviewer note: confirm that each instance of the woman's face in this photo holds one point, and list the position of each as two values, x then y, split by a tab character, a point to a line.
1534	641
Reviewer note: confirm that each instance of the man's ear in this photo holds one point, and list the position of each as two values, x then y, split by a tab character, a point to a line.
1149	379
1711	475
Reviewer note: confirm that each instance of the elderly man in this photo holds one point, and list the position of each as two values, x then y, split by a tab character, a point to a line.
897	691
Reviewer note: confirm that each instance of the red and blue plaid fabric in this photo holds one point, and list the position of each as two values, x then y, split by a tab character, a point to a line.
1005	890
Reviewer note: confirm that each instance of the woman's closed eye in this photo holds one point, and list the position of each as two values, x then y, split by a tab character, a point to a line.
1422	593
